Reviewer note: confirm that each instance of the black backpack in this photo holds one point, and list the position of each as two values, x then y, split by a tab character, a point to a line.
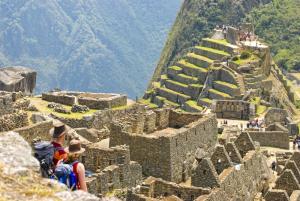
43	152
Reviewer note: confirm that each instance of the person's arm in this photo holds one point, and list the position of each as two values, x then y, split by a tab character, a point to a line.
81	175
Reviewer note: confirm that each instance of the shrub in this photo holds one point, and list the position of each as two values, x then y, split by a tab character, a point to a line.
235	58
245	55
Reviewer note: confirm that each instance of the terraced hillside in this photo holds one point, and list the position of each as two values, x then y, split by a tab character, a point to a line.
214	70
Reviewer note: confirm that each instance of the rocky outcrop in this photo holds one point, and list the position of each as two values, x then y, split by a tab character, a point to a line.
20	179
17	78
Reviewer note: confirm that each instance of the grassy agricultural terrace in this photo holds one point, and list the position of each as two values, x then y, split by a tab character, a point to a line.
183	82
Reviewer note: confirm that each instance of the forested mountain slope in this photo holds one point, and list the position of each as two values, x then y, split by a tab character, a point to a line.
88	45
275	21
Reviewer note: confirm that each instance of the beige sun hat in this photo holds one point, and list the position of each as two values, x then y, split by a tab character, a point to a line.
58	130
75	147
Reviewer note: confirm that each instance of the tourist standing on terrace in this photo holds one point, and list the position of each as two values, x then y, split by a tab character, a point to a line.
58	133
74	152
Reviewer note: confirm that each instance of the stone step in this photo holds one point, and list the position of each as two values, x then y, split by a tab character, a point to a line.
173	70
173	96
160	101
185	79
177	86
198	60
211	53
192	106
215	94
205	102
254	85
222	45
227	88
192	70
253	79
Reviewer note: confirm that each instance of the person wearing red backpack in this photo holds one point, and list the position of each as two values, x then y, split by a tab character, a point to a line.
58	133
74	150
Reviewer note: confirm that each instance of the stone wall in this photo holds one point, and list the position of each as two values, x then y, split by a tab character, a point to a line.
59	98
276	115
115	100
232	109
38	130
113	166
278	139
14	120
6	103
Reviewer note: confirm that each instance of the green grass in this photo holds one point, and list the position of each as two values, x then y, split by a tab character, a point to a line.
255	100
200	57
207	100
219	93
220	52
193	104
42	107
260	109
164	77
156	84
175	68
196	85
171	103
189	65
174	92
245	61
188	77
177	83
147	102
233	86
221	42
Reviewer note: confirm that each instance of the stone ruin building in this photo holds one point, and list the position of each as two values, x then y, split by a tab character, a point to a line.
97	101
17	78
166	141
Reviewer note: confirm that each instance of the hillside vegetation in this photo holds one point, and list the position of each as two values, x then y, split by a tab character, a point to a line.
196	20
107	46
278	23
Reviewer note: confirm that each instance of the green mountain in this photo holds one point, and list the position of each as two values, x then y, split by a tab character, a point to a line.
86	45
275	21
196	20
278	23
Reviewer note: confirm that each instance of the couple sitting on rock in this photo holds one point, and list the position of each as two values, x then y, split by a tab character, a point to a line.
69	155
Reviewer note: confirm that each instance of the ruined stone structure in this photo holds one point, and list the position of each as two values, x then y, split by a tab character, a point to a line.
163	152
274	115
97	101
113	168
17	78
240	181
233	109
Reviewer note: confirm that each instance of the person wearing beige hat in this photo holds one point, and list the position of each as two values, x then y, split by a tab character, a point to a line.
58	133
74	150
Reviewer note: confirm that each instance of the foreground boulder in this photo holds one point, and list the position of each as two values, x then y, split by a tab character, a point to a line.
20	178
17	78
